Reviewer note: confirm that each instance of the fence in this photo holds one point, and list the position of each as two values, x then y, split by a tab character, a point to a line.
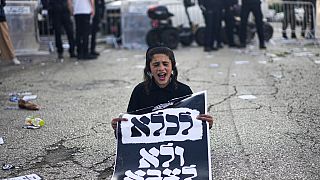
284	16
298	16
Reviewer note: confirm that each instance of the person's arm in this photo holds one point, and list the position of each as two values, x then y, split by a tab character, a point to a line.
70	6
92	8
3	3
207	118
201	5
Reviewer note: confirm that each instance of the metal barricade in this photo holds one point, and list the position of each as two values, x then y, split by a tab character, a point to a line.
297	17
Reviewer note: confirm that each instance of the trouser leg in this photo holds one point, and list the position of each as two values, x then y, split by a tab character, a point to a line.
6	46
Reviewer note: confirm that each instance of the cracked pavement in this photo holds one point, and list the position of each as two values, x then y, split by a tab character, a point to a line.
274	136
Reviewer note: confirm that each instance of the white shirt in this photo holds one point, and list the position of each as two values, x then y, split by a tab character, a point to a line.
82	7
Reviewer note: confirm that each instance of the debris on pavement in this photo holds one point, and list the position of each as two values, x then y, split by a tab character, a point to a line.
7	166
247	97
27	105
33	121
30	176
1	141
241	62
214	65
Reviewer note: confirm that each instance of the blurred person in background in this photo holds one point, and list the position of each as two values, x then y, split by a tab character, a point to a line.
212	11
83	11
289	17
253	6
61	18
6	46
99	13
229	8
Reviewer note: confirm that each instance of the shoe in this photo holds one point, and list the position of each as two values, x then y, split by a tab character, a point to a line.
232	45
27	105
293	36
60	56
207	49
95	53
284	35
214	48
242	46
262	47
16	61
72	55
88	57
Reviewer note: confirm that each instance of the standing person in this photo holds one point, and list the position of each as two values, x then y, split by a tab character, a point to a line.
229	8
211	10
82	10
99	12
253	6
289	17
6	46
61	18
159	86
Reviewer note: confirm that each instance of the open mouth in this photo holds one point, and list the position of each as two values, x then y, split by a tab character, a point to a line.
162	76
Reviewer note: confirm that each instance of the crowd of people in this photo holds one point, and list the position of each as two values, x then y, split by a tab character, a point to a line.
87	15
214	11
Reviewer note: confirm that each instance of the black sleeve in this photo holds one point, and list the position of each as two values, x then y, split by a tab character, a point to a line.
134	99
201	2
3	3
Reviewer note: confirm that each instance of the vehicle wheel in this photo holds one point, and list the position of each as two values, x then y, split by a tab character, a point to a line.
186	36
251	31
170	38
268	31
200	36
153	37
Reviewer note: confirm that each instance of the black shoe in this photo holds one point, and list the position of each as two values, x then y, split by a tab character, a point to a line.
88	57
72	55
95	53
262	47
60	56
242	46
214	48
207	49
284	35
232	45
293	36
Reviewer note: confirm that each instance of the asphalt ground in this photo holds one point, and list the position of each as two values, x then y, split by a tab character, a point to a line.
265	104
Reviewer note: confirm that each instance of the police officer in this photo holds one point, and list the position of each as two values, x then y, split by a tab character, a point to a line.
211	10
229	14
289	17
61	17
99	12
253	6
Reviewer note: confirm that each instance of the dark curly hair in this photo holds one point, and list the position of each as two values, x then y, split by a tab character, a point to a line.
149	55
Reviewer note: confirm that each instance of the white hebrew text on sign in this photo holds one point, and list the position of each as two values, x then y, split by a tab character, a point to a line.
150	162
177	124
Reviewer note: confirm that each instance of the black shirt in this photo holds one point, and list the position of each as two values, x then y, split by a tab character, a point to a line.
140	99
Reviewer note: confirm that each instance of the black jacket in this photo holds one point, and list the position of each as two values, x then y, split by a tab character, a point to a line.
251	1
229	3
142	100
211	4
2	15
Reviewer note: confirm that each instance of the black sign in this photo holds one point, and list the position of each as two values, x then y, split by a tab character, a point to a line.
168	143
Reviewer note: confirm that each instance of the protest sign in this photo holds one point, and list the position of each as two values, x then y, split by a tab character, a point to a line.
168	143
